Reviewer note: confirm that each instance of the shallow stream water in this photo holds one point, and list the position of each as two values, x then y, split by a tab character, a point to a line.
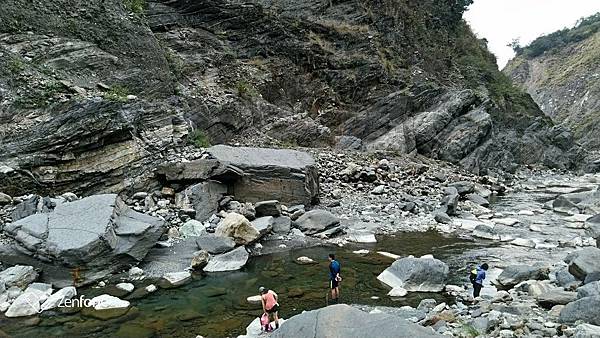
215	305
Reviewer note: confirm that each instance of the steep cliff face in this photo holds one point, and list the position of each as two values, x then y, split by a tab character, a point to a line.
96	93
561	71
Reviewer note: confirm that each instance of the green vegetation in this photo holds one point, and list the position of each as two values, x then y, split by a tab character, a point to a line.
198	138
176	64
136	6
585	28
469	330
117	93
40	97
245	90
16	66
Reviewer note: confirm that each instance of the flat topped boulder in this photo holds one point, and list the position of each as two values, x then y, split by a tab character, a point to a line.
253	174
344	321
96	234
515	274
231	261
316	221
416	274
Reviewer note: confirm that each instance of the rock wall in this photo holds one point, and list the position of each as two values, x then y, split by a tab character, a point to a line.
564	80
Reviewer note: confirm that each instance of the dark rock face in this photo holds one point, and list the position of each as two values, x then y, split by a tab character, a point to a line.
93	236
337	321
253	174
516	274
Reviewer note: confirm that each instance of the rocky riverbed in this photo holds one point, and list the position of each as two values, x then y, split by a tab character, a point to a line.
214	211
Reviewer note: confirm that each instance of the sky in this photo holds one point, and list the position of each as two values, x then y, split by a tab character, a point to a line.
501	21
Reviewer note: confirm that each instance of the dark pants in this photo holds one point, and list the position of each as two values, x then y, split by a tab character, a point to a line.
476	289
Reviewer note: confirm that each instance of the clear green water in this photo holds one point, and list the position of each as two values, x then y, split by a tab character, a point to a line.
215	305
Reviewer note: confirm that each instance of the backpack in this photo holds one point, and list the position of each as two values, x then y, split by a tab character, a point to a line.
473	275
264	323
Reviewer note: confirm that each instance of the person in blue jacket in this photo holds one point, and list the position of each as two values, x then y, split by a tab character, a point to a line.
477	277
334	278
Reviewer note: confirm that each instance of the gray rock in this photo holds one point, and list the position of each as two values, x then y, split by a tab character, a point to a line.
27	304
327	322
282	225
264	224
233	260
587	331
416	274
556	297
515	274
485	231
584	262
316	221
268	208
175	279
478	200
204	198
33	205
215	244
346	142
565	279
19	276
442	217
589	290
584	309
99	234
463	187
450	201
426	305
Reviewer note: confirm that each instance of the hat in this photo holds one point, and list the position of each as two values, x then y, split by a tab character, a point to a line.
262	289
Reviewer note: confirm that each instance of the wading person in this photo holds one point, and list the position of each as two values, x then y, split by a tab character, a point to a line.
477	277
270	305
334	278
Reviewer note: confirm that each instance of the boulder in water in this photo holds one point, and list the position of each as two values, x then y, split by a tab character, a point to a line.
175	279
97	234
233	260
416	274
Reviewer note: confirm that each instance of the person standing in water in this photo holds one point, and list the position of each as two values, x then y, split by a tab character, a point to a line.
334	278
270	304
477	277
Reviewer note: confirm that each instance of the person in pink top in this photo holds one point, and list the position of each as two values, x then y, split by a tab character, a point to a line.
269	304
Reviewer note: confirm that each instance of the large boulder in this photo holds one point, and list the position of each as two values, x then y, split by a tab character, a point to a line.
587	331
344	321
584	262
19	276
556	297
584	309
589	290
27	304
59	297
316	221
264	224
586	202
515	274
233	260
82	241
416	274
253	174
238	228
